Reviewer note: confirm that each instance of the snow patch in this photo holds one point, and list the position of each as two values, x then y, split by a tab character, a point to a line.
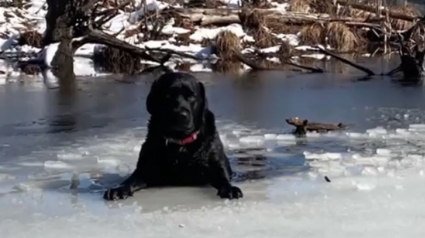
151	5
205	33
49	52
233	4
8	43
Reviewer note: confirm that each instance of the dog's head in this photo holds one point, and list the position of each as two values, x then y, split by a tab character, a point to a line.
177	104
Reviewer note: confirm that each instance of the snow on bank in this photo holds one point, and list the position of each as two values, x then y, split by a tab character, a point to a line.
375	190
151	5
12	21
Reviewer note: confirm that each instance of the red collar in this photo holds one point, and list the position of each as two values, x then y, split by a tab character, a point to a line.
191	138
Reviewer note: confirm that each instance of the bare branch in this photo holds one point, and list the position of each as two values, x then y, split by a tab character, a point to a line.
359	67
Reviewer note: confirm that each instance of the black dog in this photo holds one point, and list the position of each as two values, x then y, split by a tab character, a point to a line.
182	146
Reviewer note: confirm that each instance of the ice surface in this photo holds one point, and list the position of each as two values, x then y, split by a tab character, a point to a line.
374	192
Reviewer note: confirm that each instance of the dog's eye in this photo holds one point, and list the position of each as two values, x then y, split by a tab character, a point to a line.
191	98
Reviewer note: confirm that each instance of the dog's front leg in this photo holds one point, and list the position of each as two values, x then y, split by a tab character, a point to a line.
133	183
220	178
126	188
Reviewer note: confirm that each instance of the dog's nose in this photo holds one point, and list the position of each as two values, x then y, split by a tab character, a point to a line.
183	115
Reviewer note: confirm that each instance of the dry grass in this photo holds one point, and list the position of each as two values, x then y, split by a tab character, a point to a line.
183	39
183	66
300	6
183	22
226	43
312	6
341	37
254	23
285	51
251	19
130	33
264	38
257	4
206	42
279	27
31	38
312	34
323	6
116	61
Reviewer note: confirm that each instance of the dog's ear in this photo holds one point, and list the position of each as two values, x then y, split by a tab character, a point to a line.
152	97
203	95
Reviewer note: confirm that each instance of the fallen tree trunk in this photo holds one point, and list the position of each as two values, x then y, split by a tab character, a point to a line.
372	9
173	52
98	37
257	66
219	20
359	67
230	17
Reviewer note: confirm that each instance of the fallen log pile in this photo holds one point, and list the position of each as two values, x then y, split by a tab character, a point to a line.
327	26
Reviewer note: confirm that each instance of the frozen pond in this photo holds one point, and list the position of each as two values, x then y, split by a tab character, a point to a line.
60	148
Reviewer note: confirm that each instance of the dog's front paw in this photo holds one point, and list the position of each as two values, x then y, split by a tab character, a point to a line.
230	192
122	192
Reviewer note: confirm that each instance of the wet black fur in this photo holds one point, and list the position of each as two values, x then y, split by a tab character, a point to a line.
202	162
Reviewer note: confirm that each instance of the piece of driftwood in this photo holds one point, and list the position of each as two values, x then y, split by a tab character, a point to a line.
303	126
